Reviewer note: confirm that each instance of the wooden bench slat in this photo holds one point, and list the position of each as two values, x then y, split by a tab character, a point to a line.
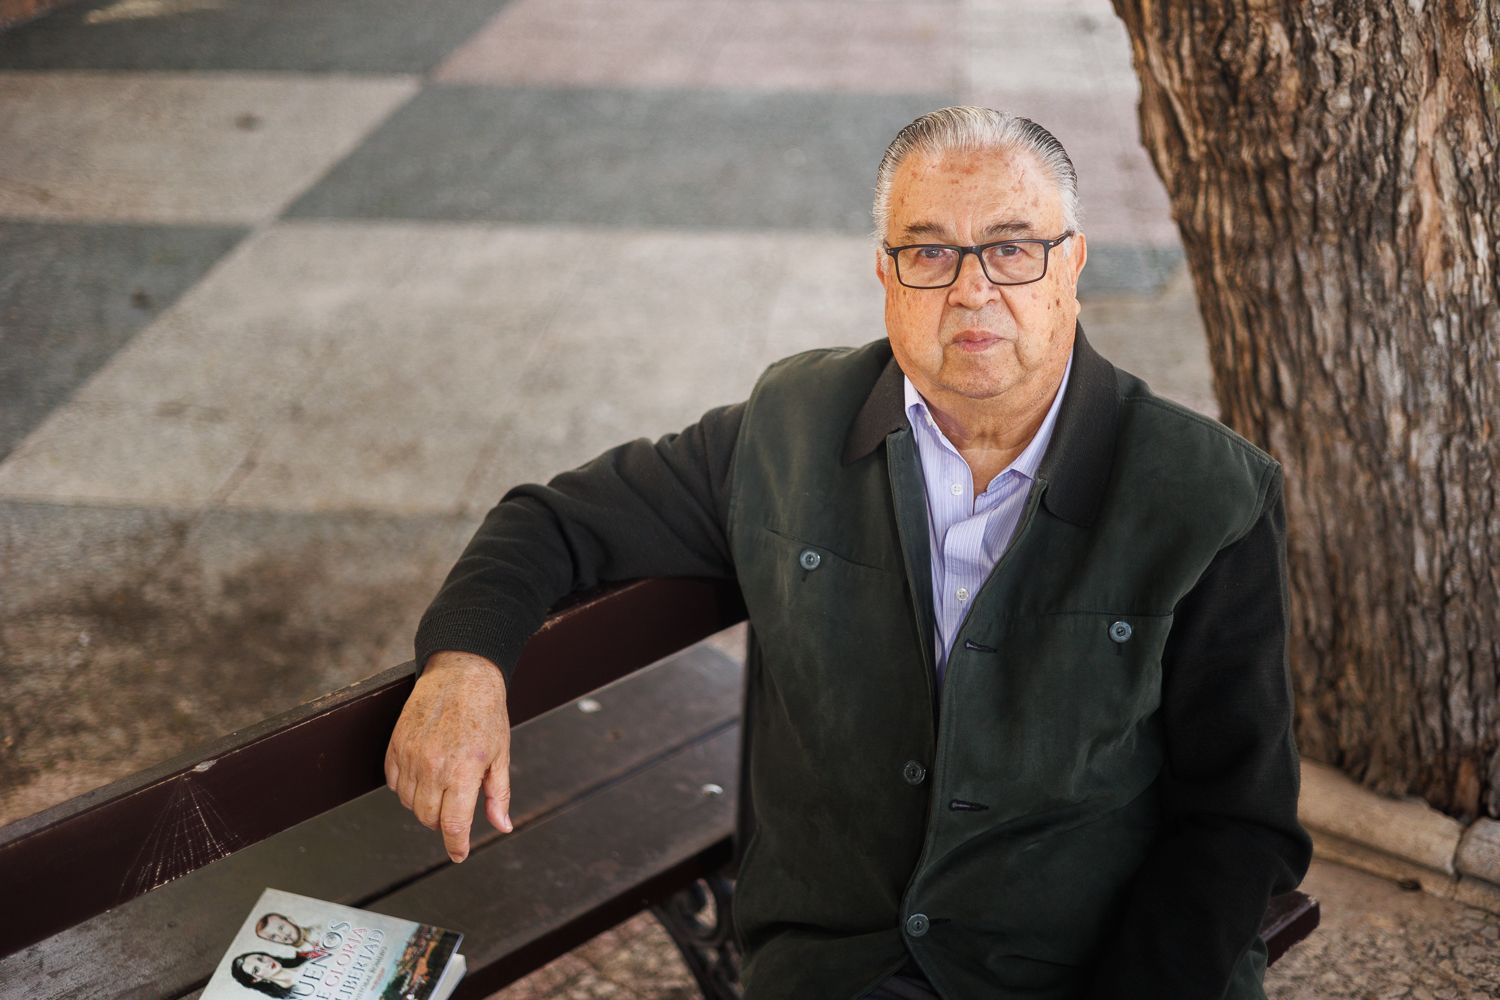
372	846
1291	917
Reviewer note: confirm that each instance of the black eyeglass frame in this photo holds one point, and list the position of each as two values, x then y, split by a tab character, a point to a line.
978	251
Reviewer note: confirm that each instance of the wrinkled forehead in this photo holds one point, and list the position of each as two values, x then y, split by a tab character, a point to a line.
1005	192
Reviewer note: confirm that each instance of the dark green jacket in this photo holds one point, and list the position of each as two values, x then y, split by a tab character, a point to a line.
1104	797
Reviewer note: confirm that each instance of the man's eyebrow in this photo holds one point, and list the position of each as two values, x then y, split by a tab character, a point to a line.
1006	229
918	230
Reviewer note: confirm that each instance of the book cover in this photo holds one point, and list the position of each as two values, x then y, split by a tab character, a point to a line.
296	946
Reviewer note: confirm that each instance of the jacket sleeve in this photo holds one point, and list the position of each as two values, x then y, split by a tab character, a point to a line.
1231	838
641	509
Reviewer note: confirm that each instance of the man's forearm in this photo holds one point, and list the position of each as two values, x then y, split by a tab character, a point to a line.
642	509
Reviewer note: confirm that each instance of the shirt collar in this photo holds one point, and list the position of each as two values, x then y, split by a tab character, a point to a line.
1026	463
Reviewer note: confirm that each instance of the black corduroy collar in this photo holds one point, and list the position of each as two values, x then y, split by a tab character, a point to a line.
1077	464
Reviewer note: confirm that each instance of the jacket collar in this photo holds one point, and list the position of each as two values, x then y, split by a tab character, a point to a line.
1077	464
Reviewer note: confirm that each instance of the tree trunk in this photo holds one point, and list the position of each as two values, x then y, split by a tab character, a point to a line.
1334	168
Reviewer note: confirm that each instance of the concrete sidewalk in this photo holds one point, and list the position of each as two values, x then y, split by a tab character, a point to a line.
291	293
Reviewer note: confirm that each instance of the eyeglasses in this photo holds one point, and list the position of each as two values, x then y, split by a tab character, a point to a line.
1006	262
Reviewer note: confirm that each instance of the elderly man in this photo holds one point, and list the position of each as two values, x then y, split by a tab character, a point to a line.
1018	715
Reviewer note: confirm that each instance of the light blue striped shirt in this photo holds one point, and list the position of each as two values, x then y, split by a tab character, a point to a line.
967	534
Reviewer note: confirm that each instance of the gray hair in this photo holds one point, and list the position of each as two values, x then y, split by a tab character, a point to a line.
968	130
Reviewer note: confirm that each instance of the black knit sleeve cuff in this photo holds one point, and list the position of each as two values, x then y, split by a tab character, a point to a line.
495	634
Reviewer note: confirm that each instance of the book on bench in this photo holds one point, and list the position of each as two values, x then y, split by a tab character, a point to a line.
297	946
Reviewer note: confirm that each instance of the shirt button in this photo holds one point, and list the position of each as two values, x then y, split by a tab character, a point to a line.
917	924
962	593
957	489
1120	631
914	773
809	559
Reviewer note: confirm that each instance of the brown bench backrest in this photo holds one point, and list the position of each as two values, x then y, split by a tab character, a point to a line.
97	851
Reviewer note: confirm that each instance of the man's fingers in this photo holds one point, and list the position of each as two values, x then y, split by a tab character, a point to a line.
392	770
451	729
455	816
427	803
497	794
406	789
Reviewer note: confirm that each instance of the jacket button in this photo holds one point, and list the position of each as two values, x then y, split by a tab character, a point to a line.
916	924
1120	631
809	559
914	773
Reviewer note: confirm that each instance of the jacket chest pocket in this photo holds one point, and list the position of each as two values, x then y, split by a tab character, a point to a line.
1066	704
828	623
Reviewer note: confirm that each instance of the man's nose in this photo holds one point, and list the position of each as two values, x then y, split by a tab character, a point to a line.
973	289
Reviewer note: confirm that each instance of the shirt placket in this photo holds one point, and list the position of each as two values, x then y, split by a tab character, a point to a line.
957	543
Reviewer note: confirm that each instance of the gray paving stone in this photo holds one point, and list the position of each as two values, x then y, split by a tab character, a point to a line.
338	318
221	148
1079	48
1139	269
41	545
629	356
717	44
73	295
167	632
597	157
375	36
383	460
69	572
1158	337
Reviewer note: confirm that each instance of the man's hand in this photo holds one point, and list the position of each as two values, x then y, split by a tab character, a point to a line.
453	736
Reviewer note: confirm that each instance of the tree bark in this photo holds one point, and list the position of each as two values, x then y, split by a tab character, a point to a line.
1334	169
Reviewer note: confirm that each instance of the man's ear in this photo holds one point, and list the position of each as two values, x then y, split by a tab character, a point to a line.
1078	253
880	258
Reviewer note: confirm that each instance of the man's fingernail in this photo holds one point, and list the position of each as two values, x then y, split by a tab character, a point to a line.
505	823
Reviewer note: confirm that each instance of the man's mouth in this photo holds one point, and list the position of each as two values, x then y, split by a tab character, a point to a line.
975	340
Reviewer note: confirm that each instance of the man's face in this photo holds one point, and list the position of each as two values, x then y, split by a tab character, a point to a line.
975	339
280	930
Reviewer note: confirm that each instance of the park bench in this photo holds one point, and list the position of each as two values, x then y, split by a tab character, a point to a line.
625	773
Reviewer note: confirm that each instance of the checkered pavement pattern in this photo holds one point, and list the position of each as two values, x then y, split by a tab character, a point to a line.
290	293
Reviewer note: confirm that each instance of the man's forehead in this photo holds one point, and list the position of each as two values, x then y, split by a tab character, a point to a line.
1000	228
1003	193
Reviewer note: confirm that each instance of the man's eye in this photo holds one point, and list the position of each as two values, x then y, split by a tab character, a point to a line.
934	253
1005	250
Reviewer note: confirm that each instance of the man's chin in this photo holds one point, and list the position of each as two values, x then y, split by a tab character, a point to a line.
979	386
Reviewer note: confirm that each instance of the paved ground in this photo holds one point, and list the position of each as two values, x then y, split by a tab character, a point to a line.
290	293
